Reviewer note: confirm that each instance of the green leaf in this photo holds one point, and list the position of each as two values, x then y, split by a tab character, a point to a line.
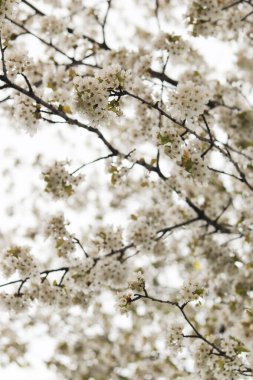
14	251
113	106
67	109
59	243
250	312
164	139
114	179
68	190
188	165
120	78
113	169
240	289
241	349
51	85
199	291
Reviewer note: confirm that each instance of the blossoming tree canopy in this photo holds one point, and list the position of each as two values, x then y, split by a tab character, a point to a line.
127	232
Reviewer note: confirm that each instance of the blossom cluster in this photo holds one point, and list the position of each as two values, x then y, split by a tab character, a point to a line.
194	164
51	25
137	283
108	239
94	96
174	44
212	17
176	337
27	113
59	182
7	7
19	259
17	63
188	101
111	272
192	291
56	230
220	368
124	301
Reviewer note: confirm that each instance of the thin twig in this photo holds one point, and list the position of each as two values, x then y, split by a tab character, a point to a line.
92	162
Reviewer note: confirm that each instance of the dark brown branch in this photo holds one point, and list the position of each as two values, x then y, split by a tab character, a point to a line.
109	2
200	336
69	30
232	4
58	112
225	208
28	83
77	241
37	11
225	173
159	109
237	167
210	136
139	296
157	14
2	56
22	281
5	99
90	39
63	276
246	16
216	350
163	77
202	215
49	44
163	231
